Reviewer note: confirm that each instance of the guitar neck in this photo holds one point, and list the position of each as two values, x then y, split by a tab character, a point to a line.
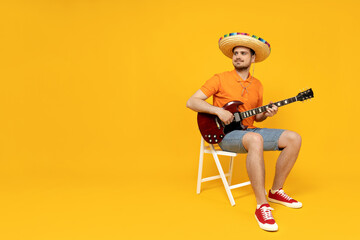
258	110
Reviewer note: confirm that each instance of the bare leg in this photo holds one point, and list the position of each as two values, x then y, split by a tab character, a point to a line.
253	143
291	142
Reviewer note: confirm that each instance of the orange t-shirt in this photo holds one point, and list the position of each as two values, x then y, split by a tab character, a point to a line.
225	87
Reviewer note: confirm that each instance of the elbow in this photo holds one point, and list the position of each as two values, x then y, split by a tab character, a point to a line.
188	103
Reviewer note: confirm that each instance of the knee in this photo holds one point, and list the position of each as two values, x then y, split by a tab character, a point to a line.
253	141
293	138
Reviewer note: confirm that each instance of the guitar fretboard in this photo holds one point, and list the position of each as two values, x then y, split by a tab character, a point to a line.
258	110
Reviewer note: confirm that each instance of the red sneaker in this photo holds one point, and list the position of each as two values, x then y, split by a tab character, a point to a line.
282	198
265	219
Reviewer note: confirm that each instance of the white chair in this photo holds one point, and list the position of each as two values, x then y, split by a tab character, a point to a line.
215	153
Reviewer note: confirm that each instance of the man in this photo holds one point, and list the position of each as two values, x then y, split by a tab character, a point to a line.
240	85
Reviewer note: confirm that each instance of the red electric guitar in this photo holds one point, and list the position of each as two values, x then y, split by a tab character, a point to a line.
213	129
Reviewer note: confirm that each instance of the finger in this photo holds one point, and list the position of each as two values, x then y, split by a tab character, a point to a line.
229	120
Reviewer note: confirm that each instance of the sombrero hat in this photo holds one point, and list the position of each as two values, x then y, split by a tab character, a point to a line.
260	46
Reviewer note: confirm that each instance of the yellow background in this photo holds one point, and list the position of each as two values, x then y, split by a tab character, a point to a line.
96	141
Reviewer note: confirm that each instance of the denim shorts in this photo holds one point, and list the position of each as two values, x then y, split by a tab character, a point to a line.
232	141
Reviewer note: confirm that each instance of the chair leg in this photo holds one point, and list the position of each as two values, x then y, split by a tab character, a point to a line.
230	170
201	159
223	178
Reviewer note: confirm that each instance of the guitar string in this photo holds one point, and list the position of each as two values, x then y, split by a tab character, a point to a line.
281	103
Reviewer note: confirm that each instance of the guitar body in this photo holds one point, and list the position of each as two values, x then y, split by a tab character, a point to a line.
212	129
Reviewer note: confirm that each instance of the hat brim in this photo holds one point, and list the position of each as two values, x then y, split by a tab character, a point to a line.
262	50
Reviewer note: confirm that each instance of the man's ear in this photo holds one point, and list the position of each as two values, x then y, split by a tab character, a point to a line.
253	58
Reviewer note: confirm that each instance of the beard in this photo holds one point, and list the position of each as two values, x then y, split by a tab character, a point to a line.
242	67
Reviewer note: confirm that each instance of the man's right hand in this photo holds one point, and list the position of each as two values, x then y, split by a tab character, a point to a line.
197	103
225	116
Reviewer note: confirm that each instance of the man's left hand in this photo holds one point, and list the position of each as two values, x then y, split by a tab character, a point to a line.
271	111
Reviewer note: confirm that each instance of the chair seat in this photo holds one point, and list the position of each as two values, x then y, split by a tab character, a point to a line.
219	151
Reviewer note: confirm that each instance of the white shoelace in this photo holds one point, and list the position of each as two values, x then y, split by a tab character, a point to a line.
283	194
266	213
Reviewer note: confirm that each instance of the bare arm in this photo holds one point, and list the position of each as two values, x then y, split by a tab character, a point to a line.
197	103
260	117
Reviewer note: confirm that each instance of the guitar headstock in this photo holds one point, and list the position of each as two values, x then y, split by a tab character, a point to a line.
305	95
